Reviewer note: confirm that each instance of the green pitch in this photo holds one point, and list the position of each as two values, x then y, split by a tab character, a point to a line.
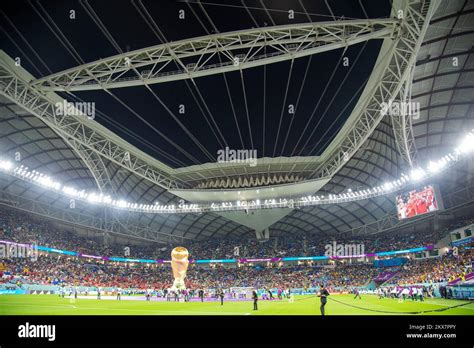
303	305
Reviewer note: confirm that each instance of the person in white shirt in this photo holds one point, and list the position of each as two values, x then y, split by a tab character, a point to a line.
420	294
405	292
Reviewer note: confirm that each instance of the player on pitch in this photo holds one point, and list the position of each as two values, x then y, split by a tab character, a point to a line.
323	294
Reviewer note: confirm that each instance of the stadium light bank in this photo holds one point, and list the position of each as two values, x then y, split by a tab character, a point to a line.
22	172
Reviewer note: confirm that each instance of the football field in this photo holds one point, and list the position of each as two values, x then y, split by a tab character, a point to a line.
302	305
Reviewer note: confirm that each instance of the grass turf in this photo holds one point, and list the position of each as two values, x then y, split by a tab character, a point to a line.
303	305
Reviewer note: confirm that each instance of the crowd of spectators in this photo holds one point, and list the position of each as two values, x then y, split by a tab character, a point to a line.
56	270
349	275
20	227
52	269
433	270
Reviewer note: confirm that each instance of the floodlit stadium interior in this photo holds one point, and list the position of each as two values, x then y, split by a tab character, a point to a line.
238	152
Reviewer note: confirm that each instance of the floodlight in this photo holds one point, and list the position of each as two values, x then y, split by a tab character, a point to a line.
417	174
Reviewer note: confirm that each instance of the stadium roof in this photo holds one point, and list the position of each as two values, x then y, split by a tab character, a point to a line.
441	84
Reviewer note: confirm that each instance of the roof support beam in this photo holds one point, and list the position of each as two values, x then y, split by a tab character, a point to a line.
402	125
90	140
392	70
218	53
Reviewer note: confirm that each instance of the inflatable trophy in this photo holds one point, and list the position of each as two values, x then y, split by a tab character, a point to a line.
179	264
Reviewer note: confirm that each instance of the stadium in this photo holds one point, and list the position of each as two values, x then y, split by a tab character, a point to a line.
247	158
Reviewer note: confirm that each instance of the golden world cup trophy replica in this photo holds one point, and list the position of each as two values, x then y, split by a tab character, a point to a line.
179	264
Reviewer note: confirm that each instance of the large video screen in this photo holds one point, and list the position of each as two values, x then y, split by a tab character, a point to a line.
417	202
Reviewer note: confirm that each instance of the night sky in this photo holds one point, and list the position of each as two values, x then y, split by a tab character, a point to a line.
47	40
